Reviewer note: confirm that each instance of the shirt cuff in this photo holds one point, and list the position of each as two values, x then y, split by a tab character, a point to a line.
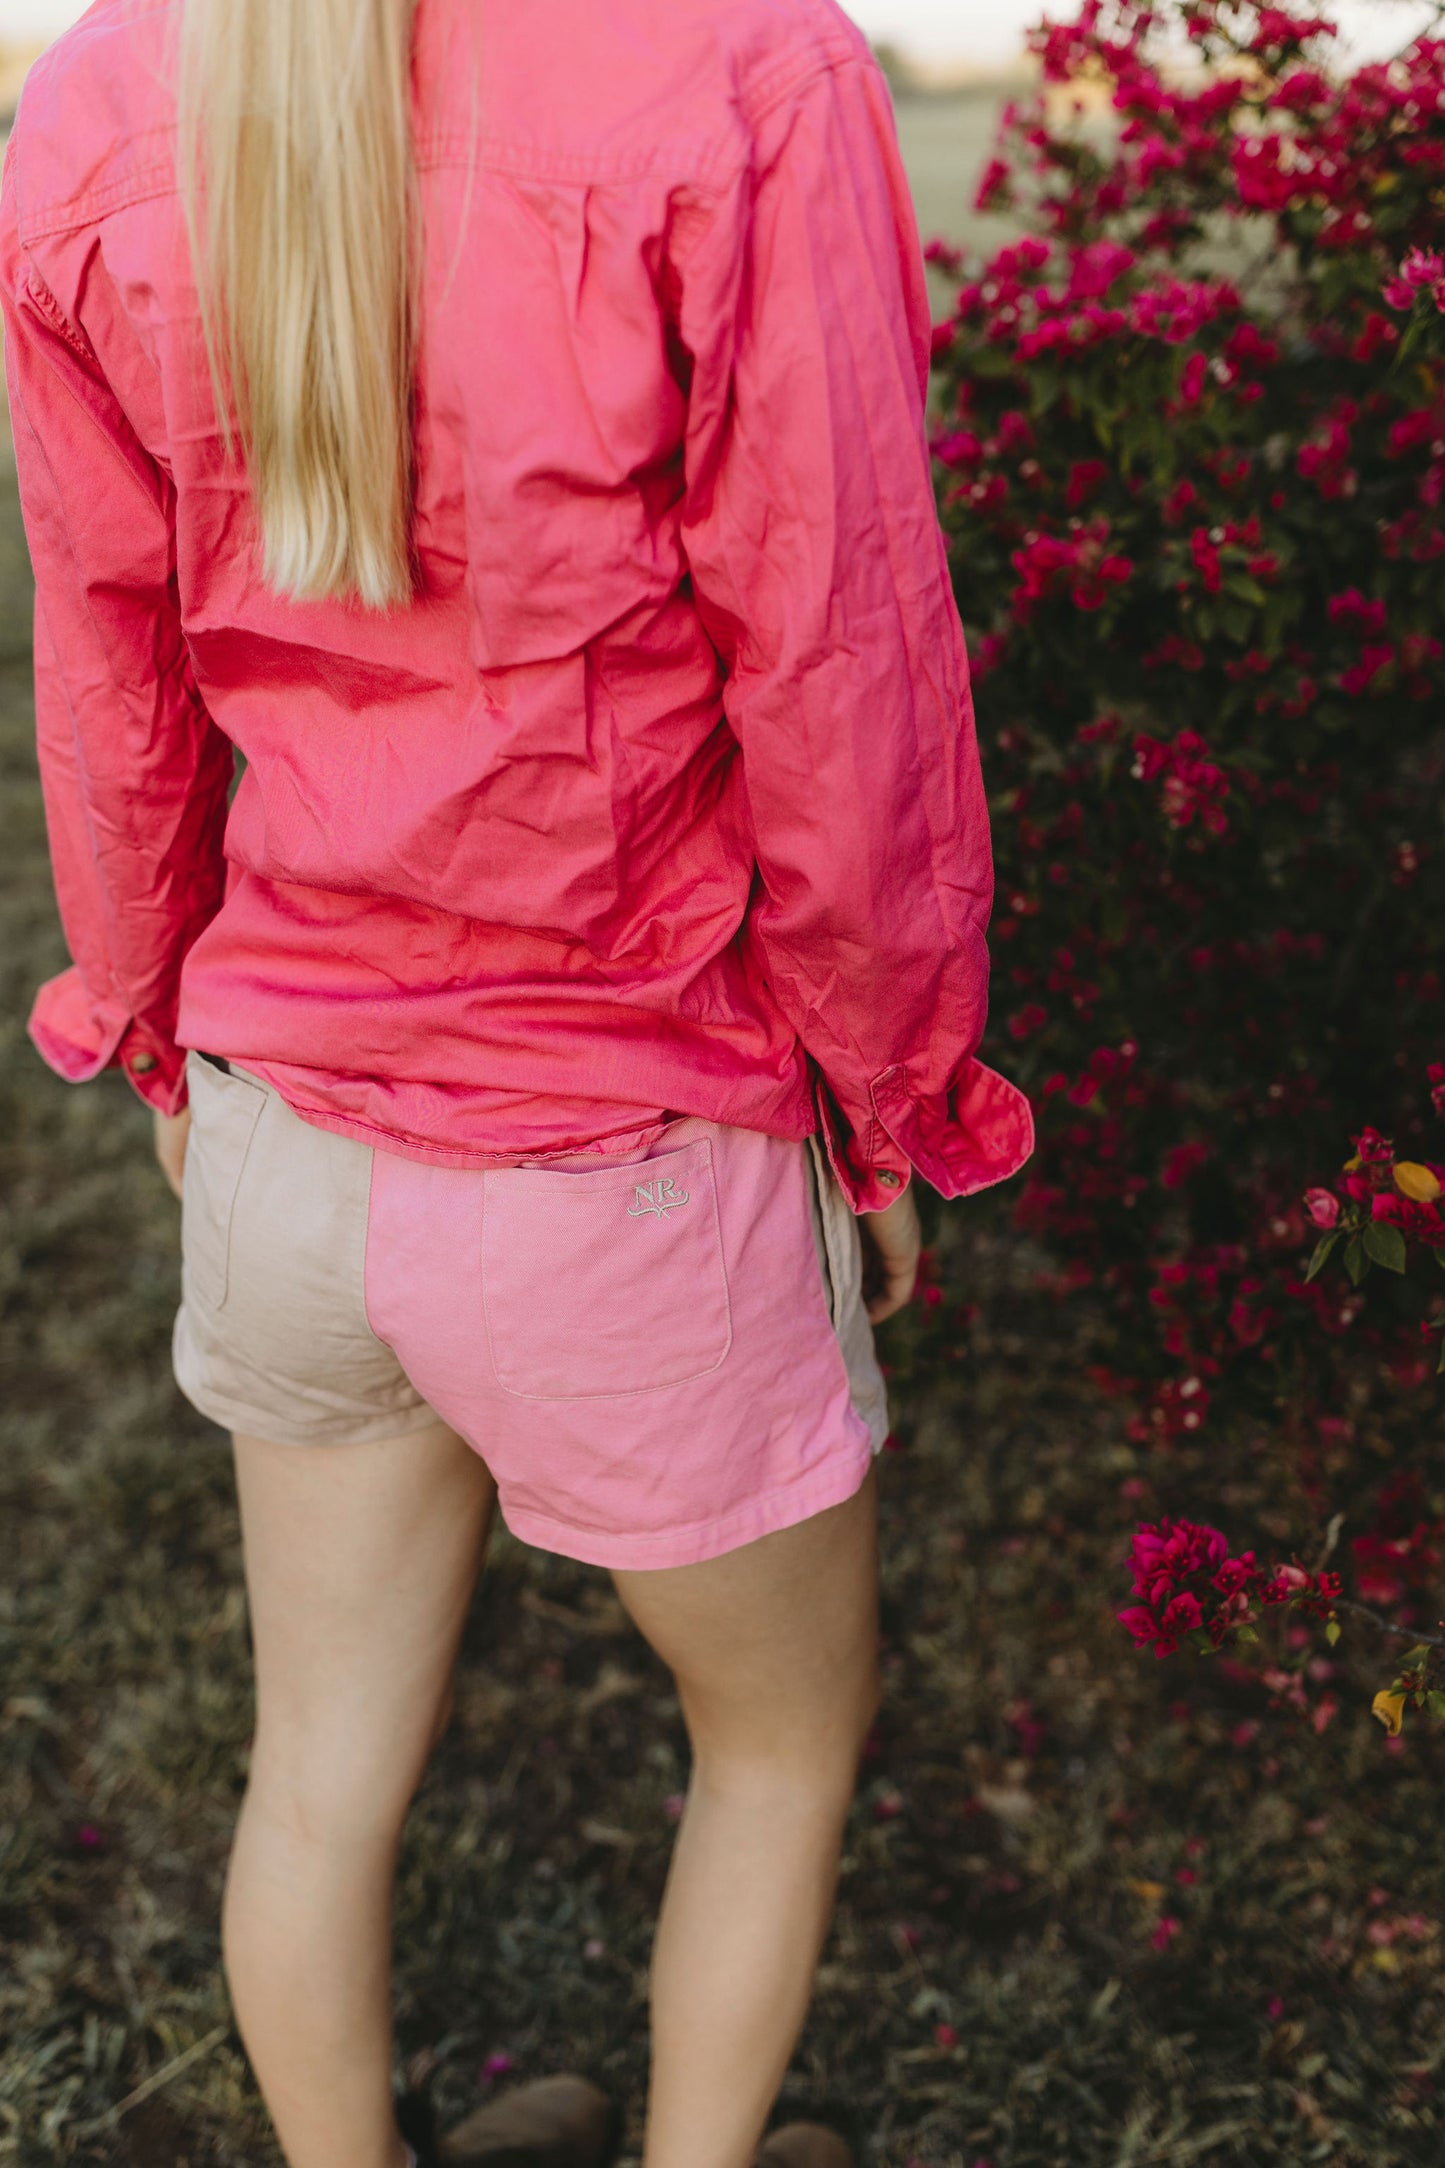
79	1036
977	1132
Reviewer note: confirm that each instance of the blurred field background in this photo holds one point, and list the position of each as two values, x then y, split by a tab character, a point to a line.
996	1993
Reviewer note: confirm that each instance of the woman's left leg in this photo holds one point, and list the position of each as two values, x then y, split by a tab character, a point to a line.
774	1647
360	1565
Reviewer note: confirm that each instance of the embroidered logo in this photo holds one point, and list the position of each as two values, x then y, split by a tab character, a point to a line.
660	1196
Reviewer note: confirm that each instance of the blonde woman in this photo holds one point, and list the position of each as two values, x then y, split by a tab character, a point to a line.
504	426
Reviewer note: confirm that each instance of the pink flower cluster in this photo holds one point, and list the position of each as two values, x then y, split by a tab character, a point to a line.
1282	139
1014	308
1079	560
1421	273
1186	1583
1395	1192
1192	787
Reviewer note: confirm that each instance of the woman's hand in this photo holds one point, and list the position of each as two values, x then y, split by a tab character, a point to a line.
891	1243
172	1131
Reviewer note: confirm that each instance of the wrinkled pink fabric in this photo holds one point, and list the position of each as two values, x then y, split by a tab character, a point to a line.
663	794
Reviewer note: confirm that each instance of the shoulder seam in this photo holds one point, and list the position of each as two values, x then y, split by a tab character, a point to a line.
828	61
787	76
691	218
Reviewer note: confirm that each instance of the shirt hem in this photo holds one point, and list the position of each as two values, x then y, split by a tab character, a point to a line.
619	1144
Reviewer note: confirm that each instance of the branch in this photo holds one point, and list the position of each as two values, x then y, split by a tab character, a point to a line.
1387	1626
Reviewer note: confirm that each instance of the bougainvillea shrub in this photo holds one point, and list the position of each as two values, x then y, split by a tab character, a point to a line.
1190	446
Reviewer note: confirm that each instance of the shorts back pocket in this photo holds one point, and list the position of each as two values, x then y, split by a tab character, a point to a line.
605	1281
225	1109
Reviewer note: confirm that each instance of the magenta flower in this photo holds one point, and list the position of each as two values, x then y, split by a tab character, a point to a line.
1182	1616
1139	1622
1323	1207
1096	267
1422	272
1351	608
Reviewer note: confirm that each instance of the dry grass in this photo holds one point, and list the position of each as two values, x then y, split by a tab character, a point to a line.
1005	1896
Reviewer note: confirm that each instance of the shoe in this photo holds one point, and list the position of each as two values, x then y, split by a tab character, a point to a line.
562	2122
803	2145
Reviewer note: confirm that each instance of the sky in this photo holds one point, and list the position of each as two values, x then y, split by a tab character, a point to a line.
932	30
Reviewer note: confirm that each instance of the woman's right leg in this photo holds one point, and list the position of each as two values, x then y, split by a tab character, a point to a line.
360	1564
775	1650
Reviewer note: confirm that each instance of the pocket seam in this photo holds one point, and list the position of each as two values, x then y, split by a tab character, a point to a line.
626	1392
216	1303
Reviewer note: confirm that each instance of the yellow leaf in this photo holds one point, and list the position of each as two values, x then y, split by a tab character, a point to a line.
1151	1892
1416	1182
1390	1709
1351	1164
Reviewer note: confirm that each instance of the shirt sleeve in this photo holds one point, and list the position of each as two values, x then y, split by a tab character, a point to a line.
134	772
821	574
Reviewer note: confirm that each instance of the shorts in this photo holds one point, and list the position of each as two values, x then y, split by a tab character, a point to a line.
658	1358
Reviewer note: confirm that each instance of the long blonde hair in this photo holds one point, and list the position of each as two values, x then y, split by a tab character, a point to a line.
297	180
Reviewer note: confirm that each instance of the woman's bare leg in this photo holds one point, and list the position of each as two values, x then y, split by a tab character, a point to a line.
360	1564
775	1651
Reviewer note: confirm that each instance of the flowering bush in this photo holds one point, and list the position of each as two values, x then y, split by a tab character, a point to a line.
1190	444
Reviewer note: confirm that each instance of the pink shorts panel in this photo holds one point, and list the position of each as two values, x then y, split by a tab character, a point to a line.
643	1354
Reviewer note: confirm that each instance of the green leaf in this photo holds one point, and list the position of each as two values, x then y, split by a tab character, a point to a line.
1245	1635
1435	1703
1440	1366
1246	589
1440	1258
1322	1250
1386	1245
1357	1264
1332	1631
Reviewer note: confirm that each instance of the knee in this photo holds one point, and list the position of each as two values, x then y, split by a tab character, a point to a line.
779	1788
805	1763
319	1800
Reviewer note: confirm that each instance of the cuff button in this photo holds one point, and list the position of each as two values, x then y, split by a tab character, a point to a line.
142	1064
889	1179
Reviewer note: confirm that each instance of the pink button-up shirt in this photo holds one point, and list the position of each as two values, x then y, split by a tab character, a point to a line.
663	794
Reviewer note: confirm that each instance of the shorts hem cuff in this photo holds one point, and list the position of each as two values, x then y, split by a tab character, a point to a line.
828	1485
332	1430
